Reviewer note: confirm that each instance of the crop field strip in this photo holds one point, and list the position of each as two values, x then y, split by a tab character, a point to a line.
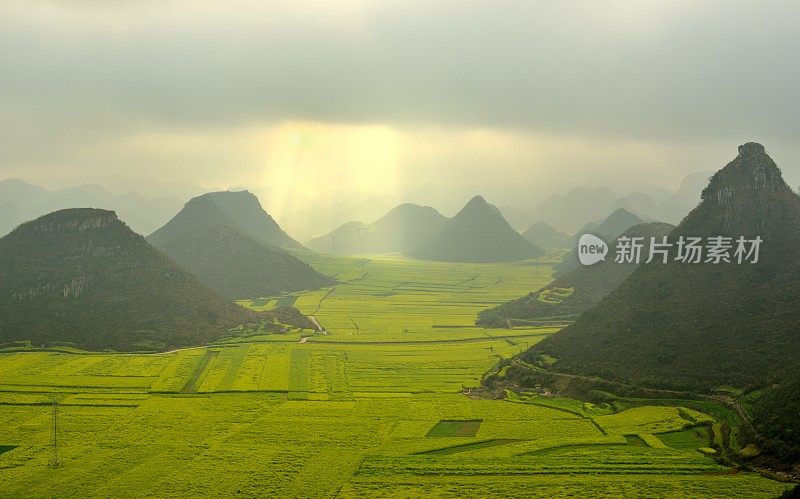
191	385
347	414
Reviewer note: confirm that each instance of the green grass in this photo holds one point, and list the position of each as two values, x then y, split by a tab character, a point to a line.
691	439
348	414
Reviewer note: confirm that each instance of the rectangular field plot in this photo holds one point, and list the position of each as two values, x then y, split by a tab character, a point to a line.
455	428
648	420
691	439
589	459
558	485
52	371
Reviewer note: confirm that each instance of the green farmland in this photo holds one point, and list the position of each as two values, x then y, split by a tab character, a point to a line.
380	404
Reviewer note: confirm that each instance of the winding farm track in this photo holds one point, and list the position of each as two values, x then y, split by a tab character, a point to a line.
319	305
316	323
429	342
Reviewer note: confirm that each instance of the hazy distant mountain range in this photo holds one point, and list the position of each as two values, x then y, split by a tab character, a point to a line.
404	227
477	233
541	234
146	204
21	201
121	183
576	291
305	217
609	229
569	212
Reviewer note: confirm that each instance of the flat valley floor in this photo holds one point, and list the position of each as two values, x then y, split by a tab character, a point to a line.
378	406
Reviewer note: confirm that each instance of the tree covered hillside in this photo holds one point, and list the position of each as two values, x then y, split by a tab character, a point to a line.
703	325
573	293
81	277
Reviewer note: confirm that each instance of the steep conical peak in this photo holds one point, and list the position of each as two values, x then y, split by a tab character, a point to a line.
410	208
751	149
588	286
748	196
478	233
476	201
617	223
205	201
543	235
752	170
477	206
696	326
407	211
240	209
228	199
71	220
244	197
541	227
621	212
81	276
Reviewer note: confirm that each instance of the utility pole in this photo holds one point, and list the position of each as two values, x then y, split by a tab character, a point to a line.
54	462
362	232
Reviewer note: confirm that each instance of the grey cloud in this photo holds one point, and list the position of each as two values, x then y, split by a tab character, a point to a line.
695	70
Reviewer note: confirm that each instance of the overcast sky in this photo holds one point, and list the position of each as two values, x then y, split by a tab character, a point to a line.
372	94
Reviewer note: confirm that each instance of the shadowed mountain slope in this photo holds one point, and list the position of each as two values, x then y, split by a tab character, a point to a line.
609	229
478	233
234	209
576	291
237	266
700	326
232	245
82	277
543	235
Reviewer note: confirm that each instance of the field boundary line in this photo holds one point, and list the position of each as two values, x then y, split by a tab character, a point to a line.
191	385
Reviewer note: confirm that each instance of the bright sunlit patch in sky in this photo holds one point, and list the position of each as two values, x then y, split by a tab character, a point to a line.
317	157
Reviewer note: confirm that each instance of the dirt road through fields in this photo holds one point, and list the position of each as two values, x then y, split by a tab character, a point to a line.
316	323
